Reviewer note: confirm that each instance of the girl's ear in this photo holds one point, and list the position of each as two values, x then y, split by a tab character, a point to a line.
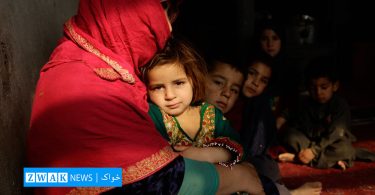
336	86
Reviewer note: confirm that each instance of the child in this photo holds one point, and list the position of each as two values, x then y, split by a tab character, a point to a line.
221	76
223	87
320	135
271	40
259	126
223	84
258	130
194	128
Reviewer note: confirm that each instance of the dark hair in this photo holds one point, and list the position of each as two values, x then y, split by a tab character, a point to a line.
181	53
258	58
271	24
223	56
172	8
323	66
264	59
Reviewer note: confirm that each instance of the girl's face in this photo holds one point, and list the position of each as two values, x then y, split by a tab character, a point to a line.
257	79
170	88
270	42
223	86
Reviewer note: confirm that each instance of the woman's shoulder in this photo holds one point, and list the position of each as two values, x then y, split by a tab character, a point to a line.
68	55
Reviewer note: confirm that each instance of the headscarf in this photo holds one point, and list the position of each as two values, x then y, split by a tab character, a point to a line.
90	108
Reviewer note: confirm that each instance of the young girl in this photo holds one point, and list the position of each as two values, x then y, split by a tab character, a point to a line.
271	40
196	129
259	128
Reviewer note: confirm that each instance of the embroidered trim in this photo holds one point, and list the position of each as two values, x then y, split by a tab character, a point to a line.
125	75
235	148
136	172
206	133
107	74
88	191
149	165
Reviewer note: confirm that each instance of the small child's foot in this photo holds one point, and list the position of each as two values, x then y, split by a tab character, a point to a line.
342	165
286	157
308	188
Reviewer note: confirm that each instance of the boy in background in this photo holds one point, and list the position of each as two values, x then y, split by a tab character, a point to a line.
320	136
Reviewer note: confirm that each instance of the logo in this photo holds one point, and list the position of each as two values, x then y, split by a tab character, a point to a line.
72	177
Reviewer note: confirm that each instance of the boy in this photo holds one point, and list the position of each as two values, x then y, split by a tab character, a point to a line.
223	84
320	134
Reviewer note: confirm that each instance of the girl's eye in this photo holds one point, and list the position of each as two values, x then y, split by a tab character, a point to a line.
180	82
251	73
156	88
265	81
218	82
275	38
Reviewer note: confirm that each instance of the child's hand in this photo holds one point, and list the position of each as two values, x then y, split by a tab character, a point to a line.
280	121
306	155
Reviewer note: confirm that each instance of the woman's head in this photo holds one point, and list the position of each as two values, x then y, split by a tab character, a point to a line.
223	85
175	77
258	76
115	26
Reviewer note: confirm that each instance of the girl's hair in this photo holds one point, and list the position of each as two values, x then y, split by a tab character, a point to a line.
264	59
277	27
179	52
258	58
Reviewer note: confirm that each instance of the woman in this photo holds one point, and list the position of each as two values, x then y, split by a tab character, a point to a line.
90	107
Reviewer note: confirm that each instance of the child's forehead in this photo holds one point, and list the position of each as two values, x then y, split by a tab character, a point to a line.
321	80
227	72
260	66
223	66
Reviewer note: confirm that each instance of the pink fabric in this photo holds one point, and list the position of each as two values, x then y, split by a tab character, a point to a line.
80	119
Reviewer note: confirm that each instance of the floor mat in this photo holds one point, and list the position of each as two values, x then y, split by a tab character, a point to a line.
357	180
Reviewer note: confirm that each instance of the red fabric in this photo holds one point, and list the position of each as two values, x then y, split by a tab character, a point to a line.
356	180
82	120
235	115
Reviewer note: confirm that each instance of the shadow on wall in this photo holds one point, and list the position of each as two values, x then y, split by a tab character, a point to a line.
29	30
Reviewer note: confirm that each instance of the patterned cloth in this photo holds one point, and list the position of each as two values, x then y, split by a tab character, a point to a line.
166	181
214	130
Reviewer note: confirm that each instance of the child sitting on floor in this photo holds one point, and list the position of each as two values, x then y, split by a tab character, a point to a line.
194	128
320	134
